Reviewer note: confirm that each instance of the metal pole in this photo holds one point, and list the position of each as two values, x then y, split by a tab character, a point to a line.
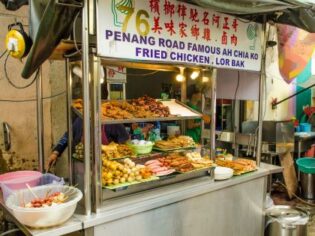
213	112
69	119
261	91
96	134
40	120
86	107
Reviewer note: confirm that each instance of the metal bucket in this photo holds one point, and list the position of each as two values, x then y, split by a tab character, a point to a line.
307	185
286	221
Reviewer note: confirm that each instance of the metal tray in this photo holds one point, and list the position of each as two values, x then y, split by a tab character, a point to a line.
187	113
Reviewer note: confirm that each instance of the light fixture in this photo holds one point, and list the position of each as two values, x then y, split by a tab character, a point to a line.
181	77
205	79
194	75
102	80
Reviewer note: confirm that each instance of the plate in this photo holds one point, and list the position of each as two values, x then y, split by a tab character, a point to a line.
222	173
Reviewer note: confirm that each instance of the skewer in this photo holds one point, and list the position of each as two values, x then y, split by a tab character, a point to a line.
34	194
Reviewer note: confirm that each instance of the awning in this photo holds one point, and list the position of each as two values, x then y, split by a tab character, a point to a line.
56	22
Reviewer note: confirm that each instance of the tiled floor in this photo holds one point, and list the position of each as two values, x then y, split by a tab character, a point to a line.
281	198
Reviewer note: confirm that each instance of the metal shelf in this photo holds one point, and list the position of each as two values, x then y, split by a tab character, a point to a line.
178	110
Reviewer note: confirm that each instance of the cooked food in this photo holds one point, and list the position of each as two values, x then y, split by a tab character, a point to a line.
144	107
177	161
197	161
240	165
51	200
158	168
175	143
114	172
115	150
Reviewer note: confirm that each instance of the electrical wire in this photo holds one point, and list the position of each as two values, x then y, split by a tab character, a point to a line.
74	35
33	99
9	80
297	197
10	232
3	53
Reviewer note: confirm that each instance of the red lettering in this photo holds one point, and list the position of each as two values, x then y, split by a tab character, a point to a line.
216	20
181	10
170	27
194	15
234	25
195	31
226	23
206	34
169	8
155	6
205	18
182	30
111	73
224	38
234	39
156	27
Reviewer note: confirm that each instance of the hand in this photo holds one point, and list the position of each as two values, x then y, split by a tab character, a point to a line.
52	159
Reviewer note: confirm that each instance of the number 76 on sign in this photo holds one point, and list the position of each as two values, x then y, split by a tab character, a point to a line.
125	9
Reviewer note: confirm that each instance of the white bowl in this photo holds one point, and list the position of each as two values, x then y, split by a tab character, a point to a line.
43	217
222	173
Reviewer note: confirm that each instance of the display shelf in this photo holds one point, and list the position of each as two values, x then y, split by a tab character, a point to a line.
178	111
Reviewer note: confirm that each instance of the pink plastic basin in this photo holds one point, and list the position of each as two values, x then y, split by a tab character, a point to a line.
19	179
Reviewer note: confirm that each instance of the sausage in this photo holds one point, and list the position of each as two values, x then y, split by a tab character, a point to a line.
166	172
159	169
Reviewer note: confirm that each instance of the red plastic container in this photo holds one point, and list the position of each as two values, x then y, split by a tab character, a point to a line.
19	179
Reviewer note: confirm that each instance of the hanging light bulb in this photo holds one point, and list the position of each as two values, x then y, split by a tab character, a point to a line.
181	77
194	75
205	79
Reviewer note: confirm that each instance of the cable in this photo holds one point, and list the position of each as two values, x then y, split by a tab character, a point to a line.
234	100
3	53
32	99
10	82
10	232
300	199
74	35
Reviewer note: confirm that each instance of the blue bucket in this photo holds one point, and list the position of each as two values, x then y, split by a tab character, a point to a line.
305	127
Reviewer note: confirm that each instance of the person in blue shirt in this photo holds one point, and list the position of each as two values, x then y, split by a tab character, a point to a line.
110	133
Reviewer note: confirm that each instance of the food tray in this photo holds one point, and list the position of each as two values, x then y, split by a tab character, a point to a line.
126	185
243	173
173	149
197	170
178	110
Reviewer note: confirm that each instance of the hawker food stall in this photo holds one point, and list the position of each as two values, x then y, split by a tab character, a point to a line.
166	187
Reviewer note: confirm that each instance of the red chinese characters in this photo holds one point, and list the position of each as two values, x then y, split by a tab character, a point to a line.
195	31
226	23
182	11
155	6
205	18
216	20
193	15
235	25
182	30
156	27
170	27
111	73
224	38
206	34
234	40
121	68
169	8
